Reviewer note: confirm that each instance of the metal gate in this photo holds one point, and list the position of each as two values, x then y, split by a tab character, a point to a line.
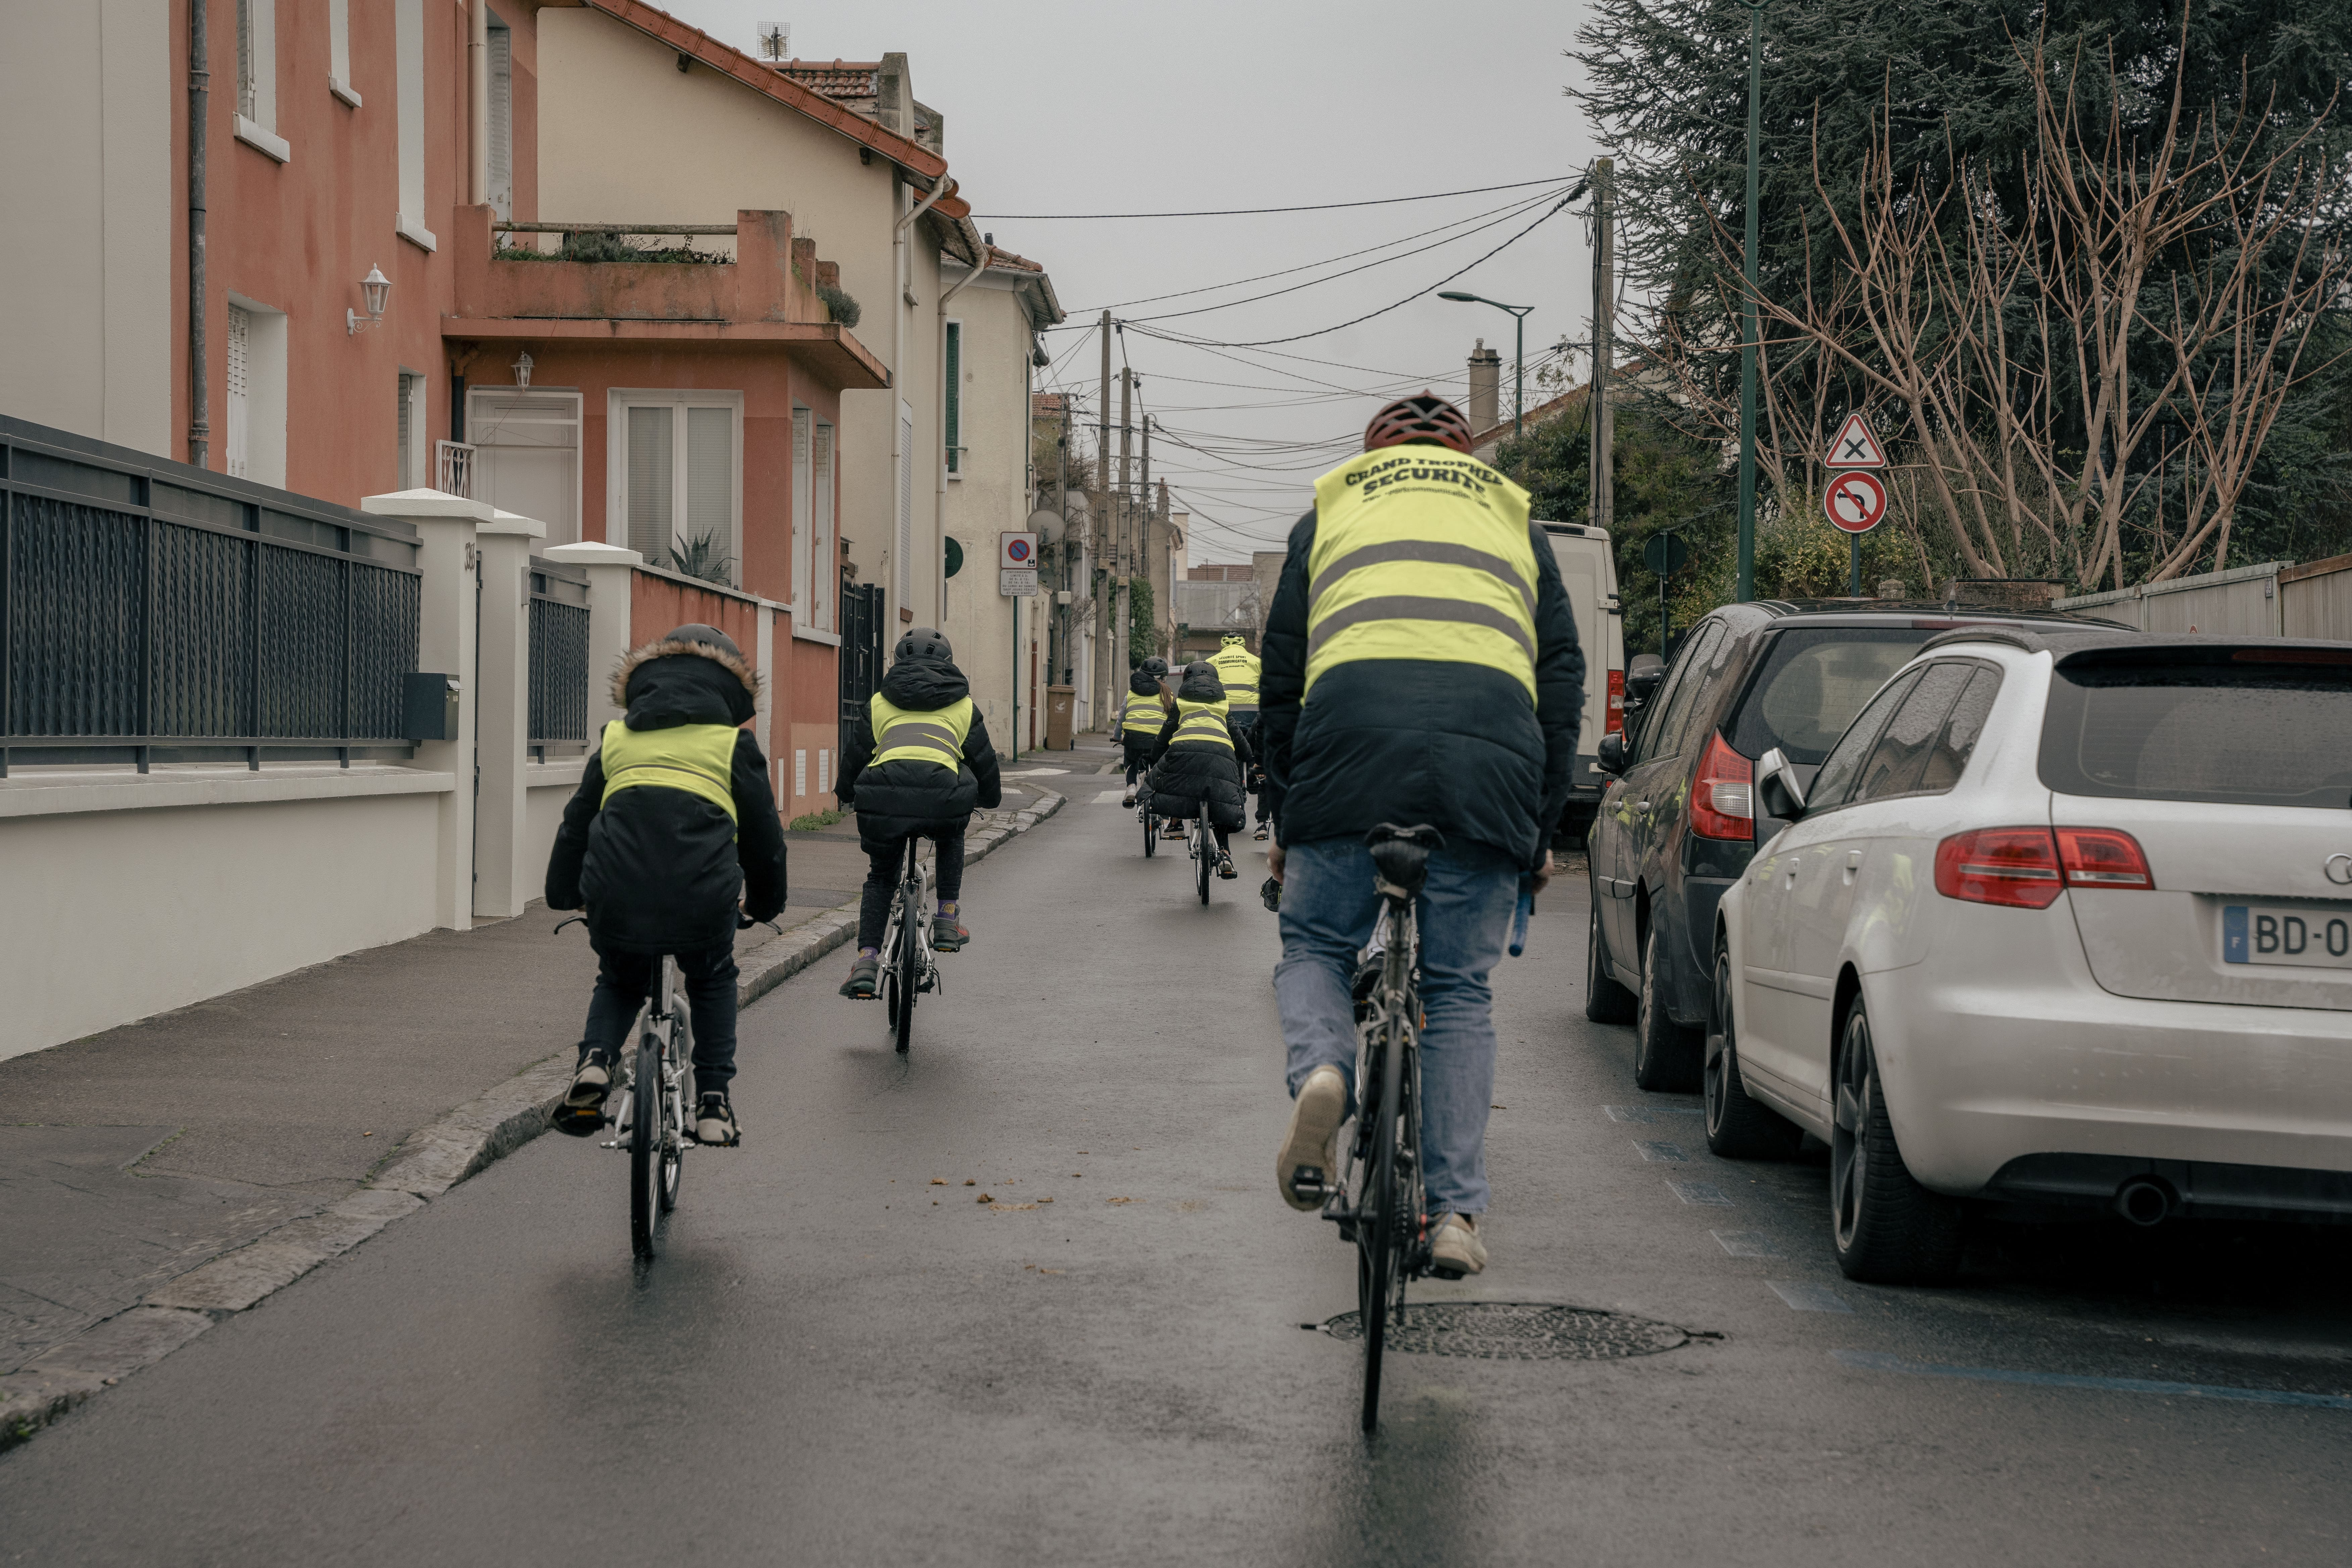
861	650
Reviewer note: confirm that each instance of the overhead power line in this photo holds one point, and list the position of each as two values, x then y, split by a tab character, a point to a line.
1254	212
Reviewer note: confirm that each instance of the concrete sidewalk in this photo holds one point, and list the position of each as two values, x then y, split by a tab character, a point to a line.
159	1176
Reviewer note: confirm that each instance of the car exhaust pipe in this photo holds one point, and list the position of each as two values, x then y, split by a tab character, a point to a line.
2145	1202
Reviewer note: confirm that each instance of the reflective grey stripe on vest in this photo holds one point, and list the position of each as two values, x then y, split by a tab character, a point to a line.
919	733
1429	552
1400	607
1203	727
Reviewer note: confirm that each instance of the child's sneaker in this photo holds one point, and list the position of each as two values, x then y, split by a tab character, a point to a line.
864	975
714	1121
581	1113
947	934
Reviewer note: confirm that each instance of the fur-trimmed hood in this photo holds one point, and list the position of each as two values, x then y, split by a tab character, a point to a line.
666	684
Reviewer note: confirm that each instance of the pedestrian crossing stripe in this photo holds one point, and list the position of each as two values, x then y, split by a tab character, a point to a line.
1109	795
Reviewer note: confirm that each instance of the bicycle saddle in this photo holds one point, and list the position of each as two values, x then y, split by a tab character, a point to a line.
1401	855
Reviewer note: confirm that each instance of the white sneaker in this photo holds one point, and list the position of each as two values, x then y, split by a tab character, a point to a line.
1128	800
1311	1146
1456	1250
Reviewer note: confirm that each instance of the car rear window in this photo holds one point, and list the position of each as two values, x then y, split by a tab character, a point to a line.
1814	680
2260	726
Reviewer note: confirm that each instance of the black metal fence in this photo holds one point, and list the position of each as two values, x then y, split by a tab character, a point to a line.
154	612
558	656
861	649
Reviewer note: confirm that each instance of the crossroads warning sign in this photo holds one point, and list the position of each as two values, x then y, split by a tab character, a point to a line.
1855	446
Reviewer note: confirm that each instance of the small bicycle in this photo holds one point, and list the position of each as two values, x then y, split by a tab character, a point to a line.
1150	821
909	967
1202	843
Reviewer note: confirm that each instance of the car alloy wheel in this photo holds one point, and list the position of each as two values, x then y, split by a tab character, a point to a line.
1666	1053
1605	1001
1738	1126
1887	1228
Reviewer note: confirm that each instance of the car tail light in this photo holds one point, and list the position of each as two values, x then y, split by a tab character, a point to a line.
2013	866
1723	796
1616	703
2102	857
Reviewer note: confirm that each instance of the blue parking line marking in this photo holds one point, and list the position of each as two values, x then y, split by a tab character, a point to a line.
1700	1193
1746	1243
1803	1297
1657	1150
1877	1361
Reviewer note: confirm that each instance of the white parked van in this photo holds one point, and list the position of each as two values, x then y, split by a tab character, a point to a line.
1588	566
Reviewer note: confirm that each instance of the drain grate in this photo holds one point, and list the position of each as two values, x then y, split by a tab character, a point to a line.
1517	1331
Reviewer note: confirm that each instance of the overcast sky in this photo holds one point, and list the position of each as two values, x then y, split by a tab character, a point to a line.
1055	106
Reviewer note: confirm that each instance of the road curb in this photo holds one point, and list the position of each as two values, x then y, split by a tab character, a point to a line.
425	1164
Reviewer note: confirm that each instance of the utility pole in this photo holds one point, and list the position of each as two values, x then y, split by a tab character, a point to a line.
1601	418
1126	516
1143	551
1747	590
1058	656
1099	528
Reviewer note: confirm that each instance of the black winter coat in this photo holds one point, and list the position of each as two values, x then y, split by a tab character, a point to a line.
910	795
659	869
1189	775
1408	741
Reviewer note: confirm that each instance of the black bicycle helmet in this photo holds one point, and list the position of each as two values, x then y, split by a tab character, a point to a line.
923	642
709	637
1155	665
1422	417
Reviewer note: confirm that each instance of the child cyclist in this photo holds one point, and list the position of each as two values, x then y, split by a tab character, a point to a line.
1140	720
673	821
917	764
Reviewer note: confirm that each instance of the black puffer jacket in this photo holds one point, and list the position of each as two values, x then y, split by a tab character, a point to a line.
1458	746
659	869
910	795
1187	775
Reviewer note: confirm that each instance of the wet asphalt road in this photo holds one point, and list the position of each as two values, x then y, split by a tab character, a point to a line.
838	1362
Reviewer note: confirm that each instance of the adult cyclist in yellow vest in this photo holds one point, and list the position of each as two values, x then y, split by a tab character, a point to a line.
1197	760
672	822
915	766
1421	666
1140	720
1237	668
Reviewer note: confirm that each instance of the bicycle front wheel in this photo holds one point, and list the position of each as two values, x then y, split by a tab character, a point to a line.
1379	1226
677	1113
647	1114
1151	836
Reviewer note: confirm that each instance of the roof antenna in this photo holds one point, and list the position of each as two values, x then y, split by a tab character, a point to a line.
775	41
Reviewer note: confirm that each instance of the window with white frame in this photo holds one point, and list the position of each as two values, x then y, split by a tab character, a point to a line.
501	137
257	77
412	442
339	51
237	384
408	103
825	581
803	506
254	375
675	485
953	380
526	455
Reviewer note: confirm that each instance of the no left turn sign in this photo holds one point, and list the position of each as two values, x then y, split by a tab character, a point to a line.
1855	502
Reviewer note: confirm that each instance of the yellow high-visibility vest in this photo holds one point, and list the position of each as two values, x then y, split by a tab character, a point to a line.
697	758
1202	722
1237	668
1143	713
929	735
1420	552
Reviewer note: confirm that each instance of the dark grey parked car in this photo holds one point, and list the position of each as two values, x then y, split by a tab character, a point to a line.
1677	822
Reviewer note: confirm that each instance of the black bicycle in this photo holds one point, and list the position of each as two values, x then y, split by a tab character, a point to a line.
653	1111
1202	843
1151	828
909	966
1380	1205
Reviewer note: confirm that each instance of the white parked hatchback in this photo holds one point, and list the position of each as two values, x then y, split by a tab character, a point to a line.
2065	918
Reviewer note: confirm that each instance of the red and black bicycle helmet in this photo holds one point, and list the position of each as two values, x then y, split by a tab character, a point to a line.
1422	417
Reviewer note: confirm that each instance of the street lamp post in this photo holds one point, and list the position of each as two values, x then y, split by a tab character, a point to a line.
1520	369
1747	314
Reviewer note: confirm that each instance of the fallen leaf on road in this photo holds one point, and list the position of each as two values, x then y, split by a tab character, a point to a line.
1119	1200
1045	1200
986	1198
1075	1176
1010	1208
969	1183
1052	1271
1498	1107
939	1181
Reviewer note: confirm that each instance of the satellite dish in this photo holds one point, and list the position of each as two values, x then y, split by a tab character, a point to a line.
1046	524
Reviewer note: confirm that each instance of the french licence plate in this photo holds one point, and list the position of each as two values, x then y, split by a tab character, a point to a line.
2311	938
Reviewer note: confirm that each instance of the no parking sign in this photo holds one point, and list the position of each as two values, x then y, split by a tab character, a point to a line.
1016	565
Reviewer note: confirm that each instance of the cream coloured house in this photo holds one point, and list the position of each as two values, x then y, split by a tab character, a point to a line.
990	321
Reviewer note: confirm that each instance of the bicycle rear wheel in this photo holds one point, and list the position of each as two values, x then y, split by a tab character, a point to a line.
677	1115
1202	841
911	967
1151	836
1380	1230
647	1114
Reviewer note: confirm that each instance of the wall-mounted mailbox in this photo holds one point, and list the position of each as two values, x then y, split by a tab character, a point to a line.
428	707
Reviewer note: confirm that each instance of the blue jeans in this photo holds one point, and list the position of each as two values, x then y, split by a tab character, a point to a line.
1329	907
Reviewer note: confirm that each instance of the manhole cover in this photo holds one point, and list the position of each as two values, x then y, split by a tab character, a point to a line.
1517	1331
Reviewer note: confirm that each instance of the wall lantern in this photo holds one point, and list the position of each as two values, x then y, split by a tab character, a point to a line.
522	371
378	288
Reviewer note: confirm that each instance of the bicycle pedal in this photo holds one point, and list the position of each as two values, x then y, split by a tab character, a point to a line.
1446	1274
